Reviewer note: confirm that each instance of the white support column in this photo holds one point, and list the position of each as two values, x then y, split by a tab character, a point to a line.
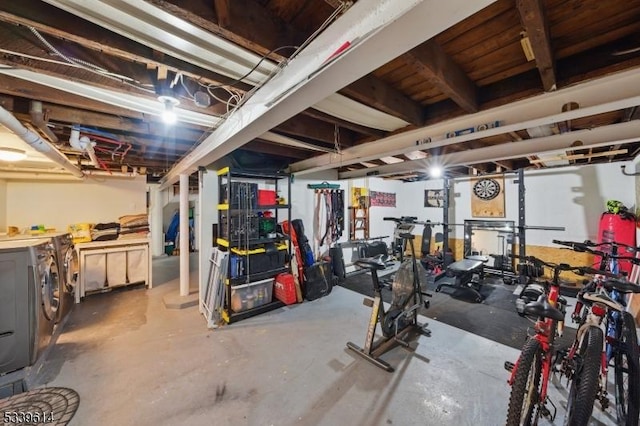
208	215
155	220
184	235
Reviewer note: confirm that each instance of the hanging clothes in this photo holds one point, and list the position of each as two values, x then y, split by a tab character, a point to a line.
328	219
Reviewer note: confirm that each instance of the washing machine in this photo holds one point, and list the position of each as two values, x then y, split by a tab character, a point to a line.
28	306
68	268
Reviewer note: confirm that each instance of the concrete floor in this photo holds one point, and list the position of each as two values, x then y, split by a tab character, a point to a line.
133	362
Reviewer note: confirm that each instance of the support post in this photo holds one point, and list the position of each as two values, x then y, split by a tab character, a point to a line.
155	219
445	220
522	231
184	235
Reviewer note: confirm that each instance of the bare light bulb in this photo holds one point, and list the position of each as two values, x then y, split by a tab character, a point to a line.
168	114
435	172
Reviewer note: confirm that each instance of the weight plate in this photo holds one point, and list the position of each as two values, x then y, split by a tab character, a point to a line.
486	189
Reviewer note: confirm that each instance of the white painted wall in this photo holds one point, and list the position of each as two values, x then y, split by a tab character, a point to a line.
572	197
58	204
3	205
304	203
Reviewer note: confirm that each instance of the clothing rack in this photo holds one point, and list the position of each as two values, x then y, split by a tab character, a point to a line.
323	185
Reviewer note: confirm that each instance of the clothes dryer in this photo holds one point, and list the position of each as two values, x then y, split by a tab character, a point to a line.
28	276
68	268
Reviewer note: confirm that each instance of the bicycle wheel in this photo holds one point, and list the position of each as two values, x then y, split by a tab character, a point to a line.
584	385
525	390
627	373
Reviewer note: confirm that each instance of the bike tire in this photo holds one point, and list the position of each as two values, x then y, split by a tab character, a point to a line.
627	373
584	384
526	385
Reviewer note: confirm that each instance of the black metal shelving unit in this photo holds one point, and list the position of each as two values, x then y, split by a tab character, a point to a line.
236	213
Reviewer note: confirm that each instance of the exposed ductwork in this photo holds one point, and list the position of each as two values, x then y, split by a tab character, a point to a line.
37	118
37	143
84	144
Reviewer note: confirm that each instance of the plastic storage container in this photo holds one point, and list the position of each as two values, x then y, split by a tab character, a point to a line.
252	295
285	289
80	232
247	262
267	197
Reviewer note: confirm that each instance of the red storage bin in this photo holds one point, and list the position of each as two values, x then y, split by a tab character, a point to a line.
266	197
285	289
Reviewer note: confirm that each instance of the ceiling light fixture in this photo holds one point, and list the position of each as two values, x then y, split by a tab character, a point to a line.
12	154
168	113
435	172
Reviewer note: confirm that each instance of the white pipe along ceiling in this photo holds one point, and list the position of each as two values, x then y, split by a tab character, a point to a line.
37	143
614	92
375	31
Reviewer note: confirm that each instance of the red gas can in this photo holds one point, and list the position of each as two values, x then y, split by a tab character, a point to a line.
285	288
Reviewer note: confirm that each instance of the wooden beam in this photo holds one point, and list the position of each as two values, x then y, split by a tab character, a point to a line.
343	123
46	19
535	23
581	156
382	96
222	12
266	147
311	128
433	64
250	24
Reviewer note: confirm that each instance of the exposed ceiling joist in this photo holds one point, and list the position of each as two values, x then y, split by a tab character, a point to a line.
312	112
374	30
311	128
532	16
46	19
432	63
601	136
244	22
375	92
610	93
570	157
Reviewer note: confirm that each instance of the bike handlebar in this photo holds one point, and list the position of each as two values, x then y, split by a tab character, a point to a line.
561	267
403	219
587	247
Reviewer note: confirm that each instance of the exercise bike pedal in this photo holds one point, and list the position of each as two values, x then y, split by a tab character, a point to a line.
367	302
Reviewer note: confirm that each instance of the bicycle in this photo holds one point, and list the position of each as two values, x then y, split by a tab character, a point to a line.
530	374
607	310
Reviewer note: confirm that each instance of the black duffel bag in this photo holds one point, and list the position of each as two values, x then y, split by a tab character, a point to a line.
318	280
372	249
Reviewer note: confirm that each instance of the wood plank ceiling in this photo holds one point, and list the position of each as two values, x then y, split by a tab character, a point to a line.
507	52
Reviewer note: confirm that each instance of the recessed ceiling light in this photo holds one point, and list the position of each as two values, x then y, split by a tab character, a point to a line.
12	154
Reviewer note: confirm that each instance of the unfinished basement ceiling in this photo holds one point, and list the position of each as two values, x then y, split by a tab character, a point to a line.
514	84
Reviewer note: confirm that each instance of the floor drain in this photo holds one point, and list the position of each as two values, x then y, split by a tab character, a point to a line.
44	406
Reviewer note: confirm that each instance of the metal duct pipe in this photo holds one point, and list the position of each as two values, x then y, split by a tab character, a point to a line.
104	173
37	117
38	143
37	176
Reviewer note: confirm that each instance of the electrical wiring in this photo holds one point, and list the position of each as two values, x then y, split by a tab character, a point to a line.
89	66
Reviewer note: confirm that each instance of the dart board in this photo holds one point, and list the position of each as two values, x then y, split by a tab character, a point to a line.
486	189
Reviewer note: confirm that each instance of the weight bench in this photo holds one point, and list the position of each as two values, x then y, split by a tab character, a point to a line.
464	271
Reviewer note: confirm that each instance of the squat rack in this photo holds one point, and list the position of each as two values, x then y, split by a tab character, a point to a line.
522	225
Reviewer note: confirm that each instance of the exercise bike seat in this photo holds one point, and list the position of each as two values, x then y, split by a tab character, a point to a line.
375	262
542	308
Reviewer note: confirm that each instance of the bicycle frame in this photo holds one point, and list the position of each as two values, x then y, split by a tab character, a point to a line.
545	333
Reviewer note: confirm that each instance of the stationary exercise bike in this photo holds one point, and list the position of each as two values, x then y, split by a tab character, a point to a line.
402	315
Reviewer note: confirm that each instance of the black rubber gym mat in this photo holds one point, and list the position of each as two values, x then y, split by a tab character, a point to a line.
495	318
